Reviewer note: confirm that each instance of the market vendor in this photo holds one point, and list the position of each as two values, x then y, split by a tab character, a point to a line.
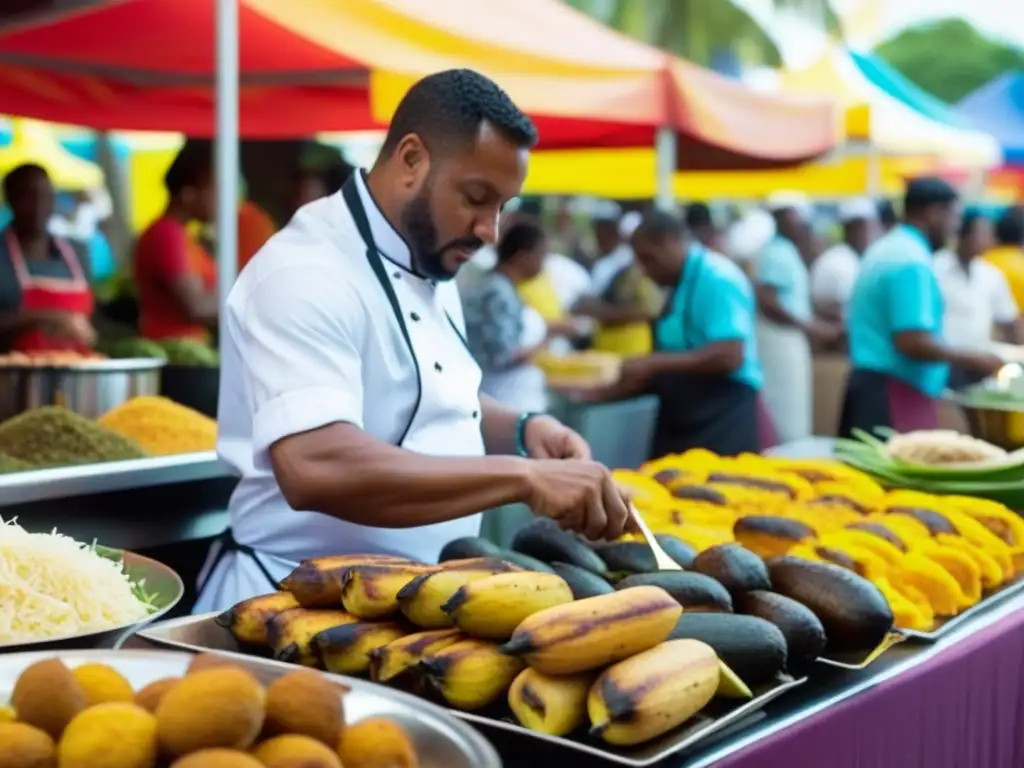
900	361
176	276
704	368
350	405
45	299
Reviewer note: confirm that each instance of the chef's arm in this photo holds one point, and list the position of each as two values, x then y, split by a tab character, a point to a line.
720	358
498	424
341	471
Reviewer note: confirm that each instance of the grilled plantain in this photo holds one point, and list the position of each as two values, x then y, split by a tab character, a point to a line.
247	621
291	633
317	583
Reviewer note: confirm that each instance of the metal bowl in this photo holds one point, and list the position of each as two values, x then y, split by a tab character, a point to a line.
89	388
162	584
440	741
1001	424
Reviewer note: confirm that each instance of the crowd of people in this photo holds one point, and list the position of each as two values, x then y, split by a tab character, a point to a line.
718	318
52	263
721	320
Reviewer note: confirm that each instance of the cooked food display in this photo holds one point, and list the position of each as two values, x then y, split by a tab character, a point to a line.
54	586
927	557
216	715
943	463
483	632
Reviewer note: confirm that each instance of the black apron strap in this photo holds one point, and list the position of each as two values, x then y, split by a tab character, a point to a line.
355	207
226	542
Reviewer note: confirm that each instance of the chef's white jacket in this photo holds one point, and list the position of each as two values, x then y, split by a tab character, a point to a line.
313	337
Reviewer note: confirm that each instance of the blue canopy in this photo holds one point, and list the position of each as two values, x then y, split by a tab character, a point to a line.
887	79
998	107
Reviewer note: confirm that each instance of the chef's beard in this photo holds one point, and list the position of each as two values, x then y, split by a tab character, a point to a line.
421	234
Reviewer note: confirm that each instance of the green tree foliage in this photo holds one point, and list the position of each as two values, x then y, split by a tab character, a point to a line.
950	58
696	29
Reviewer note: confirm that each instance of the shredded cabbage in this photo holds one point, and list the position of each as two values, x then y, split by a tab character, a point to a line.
53	586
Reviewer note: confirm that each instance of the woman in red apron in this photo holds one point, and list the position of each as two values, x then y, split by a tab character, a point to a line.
48	295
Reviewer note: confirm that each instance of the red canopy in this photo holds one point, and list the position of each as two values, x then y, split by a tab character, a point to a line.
306	66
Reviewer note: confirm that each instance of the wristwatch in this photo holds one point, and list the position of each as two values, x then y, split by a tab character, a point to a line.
521	423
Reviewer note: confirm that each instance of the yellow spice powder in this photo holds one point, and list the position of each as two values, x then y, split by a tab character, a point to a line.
161	426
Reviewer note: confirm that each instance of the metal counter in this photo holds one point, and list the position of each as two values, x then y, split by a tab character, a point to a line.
135	505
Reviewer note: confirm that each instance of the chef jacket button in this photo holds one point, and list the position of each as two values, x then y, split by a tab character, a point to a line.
414	316
476	414
396	275
437	367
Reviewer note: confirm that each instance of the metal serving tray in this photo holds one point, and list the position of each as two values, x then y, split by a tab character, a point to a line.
202	633
860	659
945	626
440	740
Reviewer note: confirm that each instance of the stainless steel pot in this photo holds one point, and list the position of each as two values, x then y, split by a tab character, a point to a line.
90	388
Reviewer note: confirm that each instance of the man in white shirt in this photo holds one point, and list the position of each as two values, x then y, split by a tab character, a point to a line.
977	298
835	271
350	405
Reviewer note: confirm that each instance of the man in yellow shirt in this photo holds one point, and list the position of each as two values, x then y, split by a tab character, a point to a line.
1008	255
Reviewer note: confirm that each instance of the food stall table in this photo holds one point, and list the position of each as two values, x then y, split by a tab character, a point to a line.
954	704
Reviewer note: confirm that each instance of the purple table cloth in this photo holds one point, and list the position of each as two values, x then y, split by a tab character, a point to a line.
964	708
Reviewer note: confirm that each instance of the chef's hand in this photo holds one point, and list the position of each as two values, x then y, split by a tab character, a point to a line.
580	496
548	438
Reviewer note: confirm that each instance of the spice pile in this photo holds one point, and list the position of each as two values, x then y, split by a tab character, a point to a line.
161	426
53	436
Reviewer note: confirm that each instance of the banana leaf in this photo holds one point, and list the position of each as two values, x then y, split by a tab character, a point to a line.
870	450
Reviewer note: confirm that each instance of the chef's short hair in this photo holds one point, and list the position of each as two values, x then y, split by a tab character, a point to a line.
660	225
523	235
191	167
451	105
1010	227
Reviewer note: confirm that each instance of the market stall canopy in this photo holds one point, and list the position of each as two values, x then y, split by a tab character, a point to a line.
628	174
311	65
890	126
883	76
998	107
33	142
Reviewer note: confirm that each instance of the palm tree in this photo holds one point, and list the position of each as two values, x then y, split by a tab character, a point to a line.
696	29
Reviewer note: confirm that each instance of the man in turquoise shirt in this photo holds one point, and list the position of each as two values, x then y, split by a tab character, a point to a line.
900	364
704	367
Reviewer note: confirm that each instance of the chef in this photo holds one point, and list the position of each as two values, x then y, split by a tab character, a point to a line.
350	405
900	361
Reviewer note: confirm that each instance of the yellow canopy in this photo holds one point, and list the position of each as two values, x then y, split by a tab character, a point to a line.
34	142
892	127
629	174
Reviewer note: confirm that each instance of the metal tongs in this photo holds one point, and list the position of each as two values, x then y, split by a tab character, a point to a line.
665	563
